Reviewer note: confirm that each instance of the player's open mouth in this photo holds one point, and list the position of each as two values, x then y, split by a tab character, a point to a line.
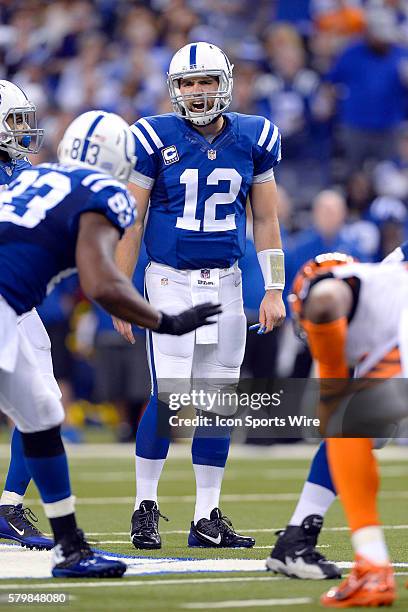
197	106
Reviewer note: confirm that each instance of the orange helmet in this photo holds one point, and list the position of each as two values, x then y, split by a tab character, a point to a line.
312	269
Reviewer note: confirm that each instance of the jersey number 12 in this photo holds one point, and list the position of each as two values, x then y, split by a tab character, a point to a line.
188	221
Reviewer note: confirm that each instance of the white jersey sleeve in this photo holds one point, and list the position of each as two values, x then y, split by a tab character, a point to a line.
397	255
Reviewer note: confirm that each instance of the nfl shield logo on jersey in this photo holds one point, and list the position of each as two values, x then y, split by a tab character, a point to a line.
211	154
205	273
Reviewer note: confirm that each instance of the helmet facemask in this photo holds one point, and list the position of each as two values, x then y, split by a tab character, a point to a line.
19	135
222	96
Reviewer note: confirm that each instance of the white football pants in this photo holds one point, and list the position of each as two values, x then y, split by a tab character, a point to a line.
29	394
35	332
174	360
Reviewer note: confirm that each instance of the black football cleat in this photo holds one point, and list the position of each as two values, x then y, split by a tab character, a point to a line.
15	524
217	532
72	557
144	526
295	554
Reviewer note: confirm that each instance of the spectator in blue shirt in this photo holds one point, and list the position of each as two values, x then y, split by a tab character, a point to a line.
391	217
286	93
296	12
328	234
391	175
370	81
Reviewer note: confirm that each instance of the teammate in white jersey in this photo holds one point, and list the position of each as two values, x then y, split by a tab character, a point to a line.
195	170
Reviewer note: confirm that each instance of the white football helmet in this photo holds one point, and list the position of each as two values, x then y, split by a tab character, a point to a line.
102	141
19	134
200	59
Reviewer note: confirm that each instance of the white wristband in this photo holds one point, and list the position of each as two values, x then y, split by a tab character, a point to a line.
272	262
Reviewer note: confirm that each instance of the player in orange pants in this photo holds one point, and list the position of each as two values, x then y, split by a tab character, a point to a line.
340	310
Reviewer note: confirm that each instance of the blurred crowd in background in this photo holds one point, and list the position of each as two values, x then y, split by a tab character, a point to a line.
332	74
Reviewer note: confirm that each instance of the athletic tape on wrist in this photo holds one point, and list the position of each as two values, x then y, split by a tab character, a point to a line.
272	263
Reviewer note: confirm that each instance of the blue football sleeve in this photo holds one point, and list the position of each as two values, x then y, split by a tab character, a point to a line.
116	204
22	164
266	152
5	177
145	170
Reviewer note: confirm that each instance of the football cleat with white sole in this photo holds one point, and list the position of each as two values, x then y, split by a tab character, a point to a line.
295	554
367	585
144	526
16	523
217	532
72	557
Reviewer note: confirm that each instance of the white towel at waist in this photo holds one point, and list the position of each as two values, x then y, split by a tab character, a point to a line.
205	286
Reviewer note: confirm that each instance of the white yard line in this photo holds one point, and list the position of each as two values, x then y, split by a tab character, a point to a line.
96	543
266	530
18	586
135	583
227	498
389	471
94	534
177	499
187	475
182	450
26	564
245	603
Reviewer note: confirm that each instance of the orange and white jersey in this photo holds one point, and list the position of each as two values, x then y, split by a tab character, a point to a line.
376	332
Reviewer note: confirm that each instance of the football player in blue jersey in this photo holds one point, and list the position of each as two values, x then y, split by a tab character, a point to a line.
54	217
318	494
198	166
20	137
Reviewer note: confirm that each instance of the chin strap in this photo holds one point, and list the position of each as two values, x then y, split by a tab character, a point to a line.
213	120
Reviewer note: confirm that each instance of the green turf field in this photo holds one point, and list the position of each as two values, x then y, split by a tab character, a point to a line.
258	495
